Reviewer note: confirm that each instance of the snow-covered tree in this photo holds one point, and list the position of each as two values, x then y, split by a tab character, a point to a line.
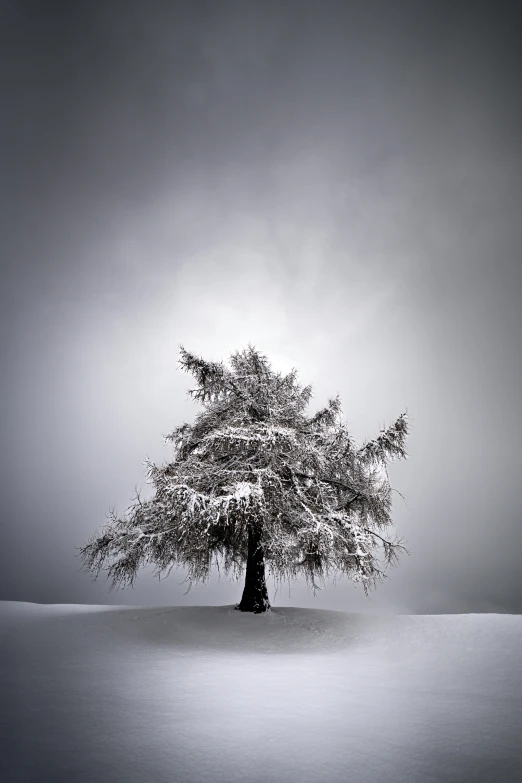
255	481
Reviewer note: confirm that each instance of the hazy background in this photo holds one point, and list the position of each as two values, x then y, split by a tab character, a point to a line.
337	183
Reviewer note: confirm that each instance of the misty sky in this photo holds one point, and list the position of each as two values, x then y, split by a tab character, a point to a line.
337	183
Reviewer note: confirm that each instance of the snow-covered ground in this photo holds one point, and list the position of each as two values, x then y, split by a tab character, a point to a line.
193	694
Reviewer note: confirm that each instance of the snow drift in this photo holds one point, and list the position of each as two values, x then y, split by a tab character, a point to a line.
194	694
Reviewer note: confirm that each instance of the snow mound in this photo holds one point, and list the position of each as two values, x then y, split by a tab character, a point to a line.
196	694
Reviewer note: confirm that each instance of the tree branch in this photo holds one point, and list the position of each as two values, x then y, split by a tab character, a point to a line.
335	482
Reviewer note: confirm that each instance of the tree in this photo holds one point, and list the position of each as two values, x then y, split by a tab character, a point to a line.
255	481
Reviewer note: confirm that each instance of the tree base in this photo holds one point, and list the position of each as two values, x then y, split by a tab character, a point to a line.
258	607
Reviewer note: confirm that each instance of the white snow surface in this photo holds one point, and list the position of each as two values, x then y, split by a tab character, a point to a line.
95	694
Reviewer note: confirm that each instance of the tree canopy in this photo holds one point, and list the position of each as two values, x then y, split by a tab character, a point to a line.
255	481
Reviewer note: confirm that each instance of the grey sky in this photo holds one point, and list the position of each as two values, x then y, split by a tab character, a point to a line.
337	183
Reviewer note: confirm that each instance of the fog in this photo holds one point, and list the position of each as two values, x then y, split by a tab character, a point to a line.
335	183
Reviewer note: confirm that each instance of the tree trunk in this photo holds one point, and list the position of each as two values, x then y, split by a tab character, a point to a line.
255	594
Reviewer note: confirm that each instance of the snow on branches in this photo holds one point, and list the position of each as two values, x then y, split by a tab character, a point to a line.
389	443
251	460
